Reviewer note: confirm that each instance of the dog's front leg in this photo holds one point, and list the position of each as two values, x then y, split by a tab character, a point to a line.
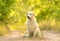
27	34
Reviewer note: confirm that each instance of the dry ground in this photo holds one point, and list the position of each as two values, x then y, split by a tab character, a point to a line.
48	36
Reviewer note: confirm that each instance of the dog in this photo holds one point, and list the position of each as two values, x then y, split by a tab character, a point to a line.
32	29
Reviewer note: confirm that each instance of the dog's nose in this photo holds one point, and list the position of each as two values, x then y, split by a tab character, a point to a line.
27	16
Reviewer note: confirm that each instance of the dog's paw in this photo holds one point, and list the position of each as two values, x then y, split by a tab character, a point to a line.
27	36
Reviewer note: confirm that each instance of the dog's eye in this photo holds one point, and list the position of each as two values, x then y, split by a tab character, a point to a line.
30	14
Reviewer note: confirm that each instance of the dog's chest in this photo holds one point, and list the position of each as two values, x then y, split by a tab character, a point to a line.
31	25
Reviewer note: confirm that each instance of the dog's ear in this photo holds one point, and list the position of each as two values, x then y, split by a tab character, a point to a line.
33	13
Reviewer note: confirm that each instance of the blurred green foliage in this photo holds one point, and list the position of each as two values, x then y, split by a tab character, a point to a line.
13	12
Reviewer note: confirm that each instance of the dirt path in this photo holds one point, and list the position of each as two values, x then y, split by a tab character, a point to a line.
52	36
48	36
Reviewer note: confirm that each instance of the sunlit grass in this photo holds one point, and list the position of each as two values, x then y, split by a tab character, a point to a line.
50	25
3	29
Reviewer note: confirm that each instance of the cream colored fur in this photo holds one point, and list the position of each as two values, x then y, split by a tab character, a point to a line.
32	25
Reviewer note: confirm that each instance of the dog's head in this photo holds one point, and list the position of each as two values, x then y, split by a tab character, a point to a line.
30	14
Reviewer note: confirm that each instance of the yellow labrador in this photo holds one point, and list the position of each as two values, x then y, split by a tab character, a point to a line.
32	25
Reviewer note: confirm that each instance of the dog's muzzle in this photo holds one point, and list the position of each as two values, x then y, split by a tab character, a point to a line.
28	17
